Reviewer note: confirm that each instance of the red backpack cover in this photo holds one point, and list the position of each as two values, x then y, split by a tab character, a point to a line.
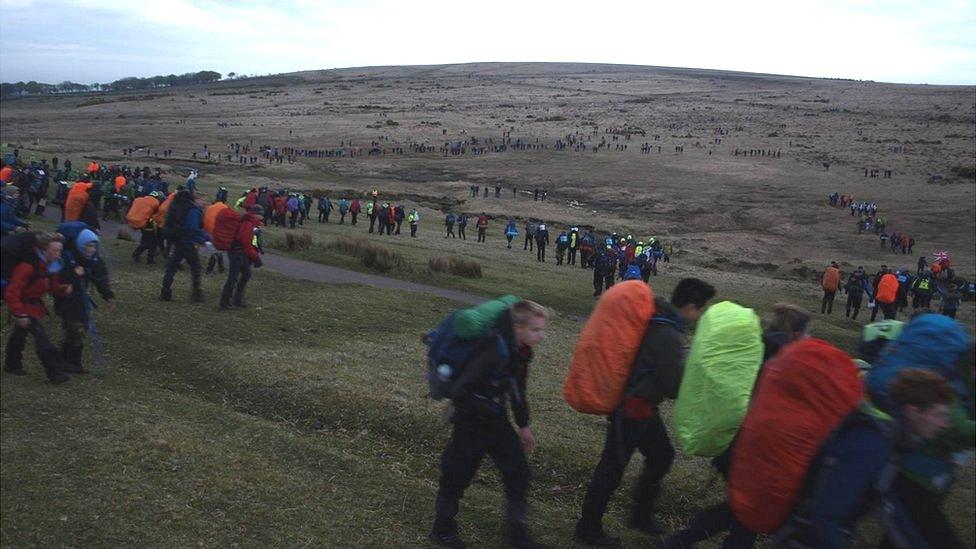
804	393
225	229
607	347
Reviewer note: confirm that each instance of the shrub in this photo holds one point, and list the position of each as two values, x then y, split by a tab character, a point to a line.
293	241
458	266
965	172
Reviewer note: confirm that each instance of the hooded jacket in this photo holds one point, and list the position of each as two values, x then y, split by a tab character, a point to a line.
29	282
76	305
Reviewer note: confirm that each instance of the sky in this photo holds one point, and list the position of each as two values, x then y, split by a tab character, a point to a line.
87	41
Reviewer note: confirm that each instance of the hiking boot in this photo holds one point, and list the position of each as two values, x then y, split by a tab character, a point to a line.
166	295
225	306
135	259
648	525
595	538
15	370
72	368
447	539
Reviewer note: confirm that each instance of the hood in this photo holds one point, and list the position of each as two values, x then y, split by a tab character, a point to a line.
84	238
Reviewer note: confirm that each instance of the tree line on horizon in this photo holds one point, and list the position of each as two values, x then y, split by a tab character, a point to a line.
124	84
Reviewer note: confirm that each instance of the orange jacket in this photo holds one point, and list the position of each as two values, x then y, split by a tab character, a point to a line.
887	289
831	279
74	204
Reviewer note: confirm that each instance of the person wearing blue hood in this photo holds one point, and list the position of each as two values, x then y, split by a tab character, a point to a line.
942	345
187	236
83	268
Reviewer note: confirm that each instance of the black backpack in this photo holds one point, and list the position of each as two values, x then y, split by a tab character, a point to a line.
15	248
182	203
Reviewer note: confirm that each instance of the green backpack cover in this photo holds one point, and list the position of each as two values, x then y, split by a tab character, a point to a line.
480	319
719	375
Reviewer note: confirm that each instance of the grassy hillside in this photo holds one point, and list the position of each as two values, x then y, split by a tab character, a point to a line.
300	421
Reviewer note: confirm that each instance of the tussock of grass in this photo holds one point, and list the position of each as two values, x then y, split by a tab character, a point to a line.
375	257
293	241
459	266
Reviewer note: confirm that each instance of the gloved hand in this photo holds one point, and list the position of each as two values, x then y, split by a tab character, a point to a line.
636	407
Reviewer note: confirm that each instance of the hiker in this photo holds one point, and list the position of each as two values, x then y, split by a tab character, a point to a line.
530	229
789	323
83	268
885	295
141	218
922	264
372	212
383	216
667	250
541	242
830	282
9	223
940	347
325	208
510	232
604	268
216	259
850	477
343	209
293	208
399	214
562	243
481	425
574	245
413	219
184	224
449	221
462	223
242	255
482	224
354	208
34	272
951	300
587	248
636	425
856	287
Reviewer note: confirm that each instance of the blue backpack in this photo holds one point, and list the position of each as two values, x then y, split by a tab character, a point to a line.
633	272
448	353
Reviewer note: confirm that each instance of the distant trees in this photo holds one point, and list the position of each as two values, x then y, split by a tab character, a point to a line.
125	84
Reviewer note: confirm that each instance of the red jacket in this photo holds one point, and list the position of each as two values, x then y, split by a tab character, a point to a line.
482	221
250	200
354	207
27	286
245	236
279	205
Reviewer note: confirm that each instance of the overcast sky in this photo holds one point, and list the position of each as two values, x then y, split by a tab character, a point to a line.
88	41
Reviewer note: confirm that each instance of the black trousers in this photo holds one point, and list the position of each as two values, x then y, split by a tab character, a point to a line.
924	508
147	243
853	304
182	250
323	216
560	254
461	234
471	440
623	437
413	230
14	354
291	220
888	310
450	232
481	234
238	273
540	252
355	217
572	256
827	304
528	242
372	223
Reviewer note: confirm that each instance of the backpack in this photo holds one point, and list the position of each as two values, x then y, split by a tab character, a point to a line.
875	337
602	263
451	345
929	341
177	214
563	239
451	219
605	351
141	212
805	393
718	380
16	248
633	272
37	182
222	194
225	229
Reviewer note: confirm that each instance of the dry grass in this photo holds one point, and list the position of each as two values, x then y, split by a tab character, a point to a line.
378	258
458	266
293	241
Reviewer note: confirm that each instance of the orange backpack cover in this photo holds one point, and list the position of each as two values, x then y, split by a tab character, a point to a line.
887	289
160	216
831	279
141	211
210	216
805	391
74	204
607	347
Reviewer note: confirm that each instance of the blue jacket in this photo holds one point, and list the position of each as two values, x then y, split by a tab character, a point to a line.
8	218
192	228
938	343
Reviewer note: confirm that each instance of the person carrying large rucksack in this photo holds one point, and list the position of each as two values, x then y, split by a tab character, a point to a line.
242	254
541	242
937	343
184	227
141	216
830	282
449	221
479	358
562	244
654	358
31	268
83	267
325	208
604	265
9	223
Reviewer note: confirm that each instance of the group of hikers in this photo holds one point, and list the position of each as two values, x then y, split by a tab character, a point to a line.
889	289
869	221
808	440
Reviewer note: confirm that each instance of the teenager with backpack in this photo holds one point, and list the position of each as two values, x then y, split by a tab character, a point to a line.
510	232
35	265
343	209
413	219
530	229
562	244
462	223
242	255
830	282
856	287
495	374
574	244
83	268
604	268
449	221
355	207
141	216
184	227
541	242
636	424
